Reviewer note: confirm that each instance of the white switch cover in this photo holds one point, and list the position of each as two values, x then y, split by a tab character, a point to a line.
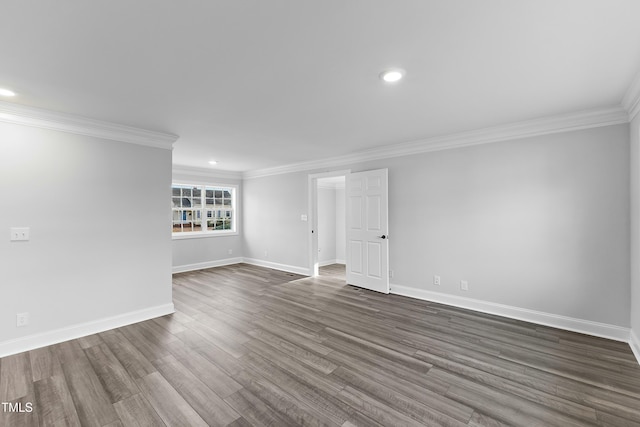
303	217
464	285
19	233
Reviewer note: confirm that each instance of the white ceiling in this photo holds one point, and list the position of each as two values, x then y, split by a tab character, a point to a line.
258	84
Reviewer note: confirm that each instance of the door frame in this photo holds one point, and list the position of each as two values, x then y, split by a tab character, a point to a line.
312	220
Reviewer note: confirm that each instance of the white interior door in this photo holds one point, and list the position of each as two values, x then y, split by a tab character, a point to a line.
367	230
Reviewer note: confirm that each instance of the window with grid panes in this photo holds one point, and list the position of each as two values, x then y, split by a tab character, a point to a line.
203	209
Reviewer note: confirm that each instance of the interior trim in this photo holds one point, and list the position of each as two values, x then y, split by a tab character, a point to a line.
631	100
55	336
603	330
634	343
205	265
282	267
46	119
543	126
252	261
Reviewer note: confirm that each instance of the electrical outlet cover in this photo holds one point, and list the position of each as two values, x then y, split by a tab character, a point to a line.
22	319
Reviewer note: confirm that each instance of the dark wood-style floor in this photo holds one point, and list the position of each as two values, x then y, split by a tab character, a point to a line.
250	346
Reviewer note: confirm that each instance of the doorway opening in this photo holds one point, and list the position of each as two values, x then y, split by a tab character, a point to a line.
327	224
331	226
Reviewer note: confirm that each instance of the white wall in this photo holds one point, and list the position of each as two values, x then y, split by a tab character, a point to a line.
203	252
100	245
341	239
273	229
326	225
539	223
635	233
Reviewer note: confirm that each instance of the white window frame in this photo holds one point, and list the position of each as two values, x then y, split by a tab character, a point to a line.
203	208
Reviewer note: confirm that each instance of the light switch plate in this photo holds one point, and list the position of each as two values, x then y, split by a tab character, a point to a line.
19	233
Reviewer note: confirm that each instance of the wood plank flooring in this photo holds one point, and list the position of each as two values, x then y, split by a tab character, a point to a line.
250	346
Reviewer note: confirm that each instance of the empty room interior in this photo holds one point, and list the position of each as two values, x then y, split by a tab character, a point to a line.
336	213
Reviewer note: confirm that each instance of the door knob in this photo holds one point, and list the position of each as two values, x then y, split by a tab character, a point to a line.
383	236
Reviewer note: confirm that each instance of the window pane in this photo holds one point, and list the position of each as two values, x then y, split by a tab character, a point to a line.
185	220
188	215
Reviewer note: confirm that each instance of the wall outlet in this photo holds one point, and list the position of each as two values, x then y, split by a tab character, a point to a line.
230	251
22	319
266	254
303	217
436	280
464	285
390	274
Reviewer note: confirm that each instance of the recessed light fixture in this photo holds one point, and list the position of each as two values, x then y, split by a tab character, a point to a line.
392	75
6	92
213	162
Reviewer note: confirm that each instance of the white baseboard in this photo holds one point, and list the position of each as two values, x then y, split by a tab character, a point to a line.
229	261
43	339
331	262
604	330
634	343
208	264
283	267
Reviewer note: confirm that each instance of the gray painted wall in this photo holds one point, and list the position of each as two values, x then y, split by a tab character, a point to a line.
271	221
635	225
100	236
208	249
326	224
540	223
341	238
331	223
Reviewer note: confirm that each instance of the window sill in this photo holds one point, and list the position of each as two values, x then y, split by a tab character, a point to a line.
200	235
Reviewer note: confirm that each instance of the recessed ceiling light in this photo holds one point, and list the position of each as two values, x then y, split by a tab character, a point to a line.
6	92
392	75
213	162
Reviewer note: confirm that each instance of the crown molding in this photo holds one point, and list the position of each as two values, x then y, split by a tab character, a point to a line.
205	173
46	119
631	100
524	129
